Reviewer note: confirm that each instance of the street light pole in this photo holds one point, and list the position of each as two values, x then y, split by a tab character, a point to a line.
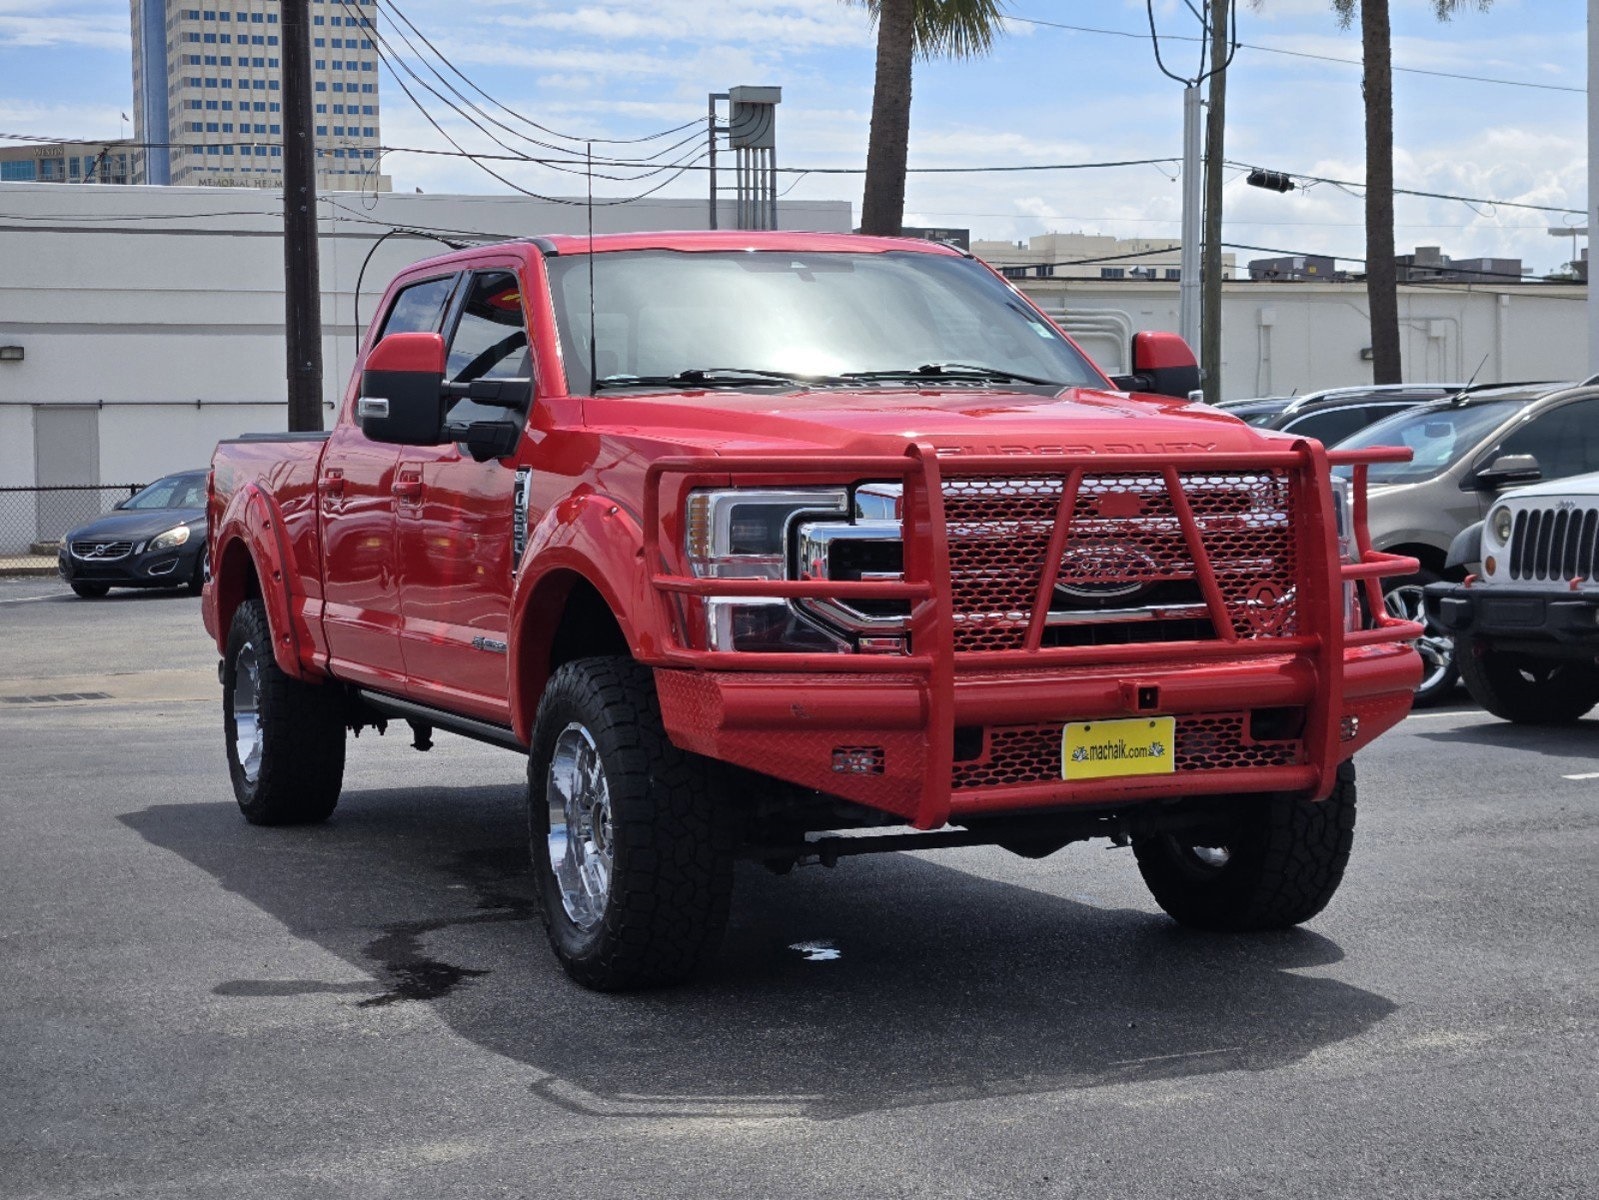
1593	178
302	285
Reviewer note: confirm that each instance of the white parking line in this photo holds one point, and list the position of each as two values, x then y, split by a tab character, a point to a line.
1584	775
26	599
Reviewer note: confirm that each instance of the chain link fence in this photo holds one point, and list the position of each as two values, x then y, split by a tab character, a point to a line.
33	520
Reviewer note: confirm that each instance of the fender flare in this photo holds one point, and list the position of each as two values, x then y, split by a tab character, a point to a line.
253	520
595	539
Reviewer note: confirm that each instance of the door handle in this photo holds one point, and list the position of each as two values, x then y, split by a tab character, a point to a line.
333	487
408	488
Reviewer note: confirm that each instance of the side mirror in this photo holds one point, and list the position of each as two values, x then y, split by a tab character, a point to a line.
1508	469
402	391
1162	364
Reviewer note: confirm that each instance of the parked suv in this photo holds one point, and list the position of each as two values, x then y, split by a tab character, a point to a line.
1526	627
1334	414
1467	450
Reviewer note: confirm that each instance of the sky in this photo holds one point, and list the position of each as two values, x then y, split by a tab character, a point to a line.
629	68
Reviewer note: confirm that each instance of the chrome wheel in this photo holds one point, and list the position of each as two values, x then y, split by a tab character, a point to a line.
580	846
1211	856
247	739
1437	650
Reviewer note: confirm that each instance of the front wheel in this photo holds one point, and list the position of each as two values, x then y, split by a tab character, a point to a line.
1405	598
632	848
198	578
1276	863
1527	690
285	739
90	591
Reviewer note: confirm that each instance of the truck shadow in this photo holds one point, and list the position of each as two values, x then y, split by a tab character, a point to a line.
1556	741
917	983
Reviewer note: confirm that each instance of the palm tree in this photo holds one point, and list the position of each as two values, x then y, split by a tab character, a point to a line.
1378	90
907	30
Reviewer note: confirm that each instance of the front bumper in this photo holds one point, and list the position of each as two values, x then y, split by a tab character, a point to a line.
1240	727
1515	614
160	568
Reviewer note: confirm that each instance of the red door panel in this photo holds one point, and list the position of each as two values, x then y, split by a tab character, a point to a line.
360	609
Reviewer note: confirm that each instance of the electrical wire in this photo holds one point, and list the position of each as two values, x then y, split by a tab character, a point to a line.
1348	62
1398	191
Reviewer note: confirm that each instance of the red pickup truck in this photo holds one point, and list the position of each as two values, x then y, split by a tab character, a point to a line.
794	546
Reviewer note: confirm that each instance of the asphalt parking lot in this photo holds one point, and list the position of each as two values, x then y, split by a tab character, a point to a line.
199	1008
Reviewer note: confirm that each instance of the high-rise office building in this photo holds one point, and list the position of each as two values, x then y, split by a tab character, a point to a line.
208	99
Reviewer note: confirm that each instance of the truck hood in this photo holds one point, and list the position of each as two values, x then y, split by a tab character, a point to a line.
953	420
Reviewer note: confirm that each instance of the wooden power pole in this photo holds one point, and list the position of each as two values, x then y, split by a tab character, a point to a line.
302	284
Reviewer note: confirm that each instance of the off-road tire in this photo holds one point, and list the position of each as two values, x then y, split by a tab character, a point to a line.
301	767
671	836
1527	690
1285	859
91	591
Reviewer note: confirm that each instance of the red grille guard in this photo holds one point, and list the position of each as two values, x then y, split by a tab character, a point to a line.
1321	618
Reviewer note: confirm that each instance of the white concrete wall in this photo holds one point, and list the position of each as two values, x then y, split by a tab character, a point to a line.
163	307
1280	338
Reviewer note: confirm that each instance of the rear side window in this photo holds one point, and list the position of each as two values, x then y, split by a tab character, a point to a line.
1329	426
418	308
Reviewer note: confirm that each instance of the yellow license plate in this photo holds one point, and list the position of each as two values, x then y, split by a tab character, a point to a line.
1110	749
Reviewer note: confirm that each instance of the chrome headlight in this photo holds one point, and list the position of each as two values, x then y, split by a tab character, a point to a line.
1499	525
171	539
742	533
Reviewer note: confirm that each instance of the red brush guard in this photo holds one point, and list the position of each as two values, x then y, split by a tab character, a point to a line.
1043	590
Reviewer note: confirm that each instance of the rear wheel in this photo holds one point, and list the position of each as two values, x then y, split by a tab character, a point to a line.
1405	598
1527	690
91	591
632	847
285	739
1275	864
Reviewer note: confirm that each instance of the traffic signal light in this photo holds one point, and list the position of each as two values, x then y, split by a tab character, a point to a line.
1276	181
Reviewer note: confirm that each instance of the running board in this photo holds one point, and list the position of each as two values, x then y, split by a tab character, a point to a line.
478	731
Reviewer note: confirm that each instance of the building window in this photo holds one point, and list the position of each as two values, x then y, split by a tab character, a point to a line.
275	129
1174	272
210	127
369	131
322	108
321	87
1112	273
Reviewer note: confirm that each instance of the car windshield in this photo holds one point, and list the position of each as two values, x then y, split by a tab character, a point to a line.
1440	437
730	318
175	491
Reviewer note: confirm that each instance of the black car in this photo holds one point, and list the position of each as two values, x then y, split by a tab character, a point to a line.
153	539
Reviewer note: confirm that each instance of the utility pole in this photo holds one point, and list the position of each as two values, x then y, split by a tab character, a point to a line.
302	284
1193	192
1210	319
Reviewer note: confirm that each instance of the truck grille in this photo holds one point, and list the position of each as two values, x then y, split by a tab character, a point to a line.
1554	544
1126	566
1021	754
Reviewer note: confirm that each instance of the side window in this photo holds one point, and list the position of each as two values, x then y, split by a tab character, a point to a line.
1330	426
1565	441
417	309
490	340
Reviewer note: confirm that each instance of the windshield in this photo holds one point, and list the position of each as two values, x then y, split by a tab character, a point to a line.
1440	437
798	314
175	491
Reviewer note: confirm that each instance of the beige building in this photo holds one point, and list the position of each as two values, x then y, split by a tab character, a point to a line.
1089	256
208	100
67	162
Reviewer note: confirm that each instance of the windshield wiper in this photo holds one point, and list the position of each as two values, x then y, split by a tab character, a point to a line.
954	370
697	377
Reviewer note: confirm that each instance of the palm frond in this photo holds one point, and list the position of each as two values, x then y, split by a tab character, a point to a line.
953	28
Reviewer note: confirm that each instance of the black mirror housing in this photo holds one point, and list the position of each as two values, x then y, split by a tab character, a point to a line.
402	397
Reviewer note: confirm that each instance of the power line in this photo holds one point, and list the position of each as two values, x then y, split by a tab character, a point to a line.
1398	191
1348	62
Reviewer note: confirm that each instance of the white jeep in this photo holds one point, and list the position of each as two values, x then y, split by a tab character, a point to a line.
1527	623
